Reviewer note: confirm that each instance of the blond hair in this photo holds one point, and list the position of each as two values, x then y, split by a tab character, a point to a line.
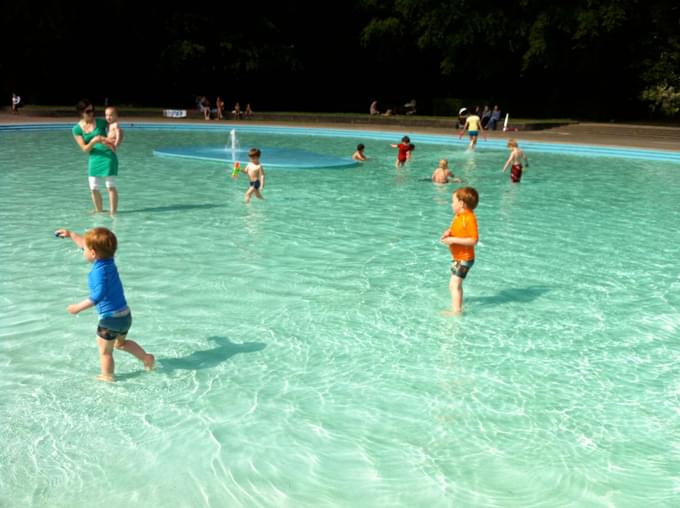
512	143
444	163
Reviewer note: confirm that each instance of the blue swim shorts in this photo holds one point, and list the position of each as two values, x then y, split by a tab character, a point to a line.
111	328
461	268
473	133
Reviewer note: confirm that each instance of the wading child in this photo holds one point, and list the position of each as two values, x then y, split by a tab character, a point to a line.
114	136
359	154
473	125
461	237
516	158
442	174
255	173
106	293
404	148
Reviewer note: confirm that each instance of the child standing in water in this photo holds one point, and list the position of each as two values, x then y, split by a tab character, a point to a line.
114	136
516	158
106	293
461	238
255	173
442	173
473	125
404	148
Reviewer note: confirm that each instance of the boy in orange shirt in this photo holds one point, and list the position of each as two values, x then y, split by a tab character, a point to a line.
461	237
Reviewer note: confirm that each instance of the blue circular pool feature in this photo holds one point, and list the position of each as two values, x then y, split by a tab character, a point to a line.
285	158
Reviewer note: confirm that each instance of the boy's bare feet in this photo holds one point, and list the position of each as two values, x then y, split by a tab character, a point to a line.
150	362
108	378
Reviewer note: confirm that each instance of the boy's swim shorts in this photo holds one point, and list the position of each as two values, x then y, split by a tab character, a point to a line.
461	268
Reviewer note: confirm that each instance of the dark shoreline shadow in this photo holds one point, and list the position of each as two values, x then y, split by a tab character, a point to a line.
521	295
169	208
208	358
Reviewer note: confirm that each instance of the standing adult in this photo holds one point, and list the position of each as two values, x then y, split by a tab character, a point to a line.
219	105
16	100
102	164
204	104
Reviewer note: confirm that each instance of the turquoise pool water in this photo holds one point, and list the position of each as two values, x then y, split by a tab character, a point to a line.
302	357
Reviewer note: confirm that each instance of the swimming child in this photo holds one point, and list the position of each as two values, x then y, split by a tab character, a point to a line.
359	154
473	125
517	156
442	173
106	293
255	173
114	136
461	237
404	148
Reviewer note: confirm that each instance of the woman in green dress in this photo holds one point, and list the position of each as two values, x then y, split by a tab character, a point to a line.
90	134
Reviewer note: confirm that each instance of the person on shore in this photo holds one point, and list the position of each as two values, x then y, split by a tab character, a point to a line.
16	100
114	134
486	116
404	148
236	112
219	108
495	118
517	157
106	293
442	174
204	104
358	155
90	135
248	113
255	172
373	110
461	238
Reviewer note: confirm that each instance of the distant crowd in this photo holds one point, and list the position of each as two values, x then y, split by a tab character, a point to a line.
217	111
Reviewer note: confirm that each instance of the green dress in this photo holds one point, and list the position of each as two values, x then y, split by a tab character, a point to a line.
102	161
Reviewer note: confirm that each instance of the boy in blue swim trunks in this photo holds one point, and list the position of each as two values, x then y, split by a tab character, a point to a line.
255	173
106	293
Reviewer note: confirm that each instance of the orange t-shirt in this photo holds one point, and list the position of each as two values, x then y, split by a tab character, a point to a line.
464	225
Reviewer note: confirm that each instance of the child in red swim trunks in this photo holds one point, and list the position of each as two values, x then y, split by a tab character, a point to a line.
516	158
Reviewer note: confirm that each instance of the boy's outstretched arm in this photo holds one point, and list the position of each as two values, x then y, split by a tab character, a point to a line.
262	178
65	233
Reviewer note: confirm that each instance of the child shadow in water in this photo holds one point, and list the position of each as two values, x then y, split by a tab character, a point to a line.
208	358
522	295
204	359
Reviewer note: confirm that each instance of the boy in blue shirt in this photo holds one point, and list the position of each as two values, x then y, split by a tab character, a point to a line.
106	293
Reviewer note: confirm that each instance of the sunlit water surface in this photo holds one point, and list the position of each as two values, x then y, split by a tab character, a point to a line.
302	356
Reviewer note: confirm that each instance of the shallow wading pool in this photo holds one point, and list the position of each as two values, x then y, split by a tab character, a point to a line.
301	356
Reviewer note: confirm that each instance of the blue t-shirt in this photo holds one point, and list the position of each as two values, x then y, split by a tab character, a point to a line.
106	289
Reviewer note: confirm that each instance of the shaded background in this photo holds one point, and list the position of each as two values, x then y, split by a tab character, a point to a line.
589	59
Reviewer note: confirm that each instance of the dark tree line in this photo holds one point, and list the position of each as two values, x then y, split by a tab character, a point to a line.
598	59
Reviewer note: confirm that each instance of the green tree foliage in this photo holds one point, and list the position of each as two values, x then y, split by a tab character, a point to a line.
586	54
577	57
